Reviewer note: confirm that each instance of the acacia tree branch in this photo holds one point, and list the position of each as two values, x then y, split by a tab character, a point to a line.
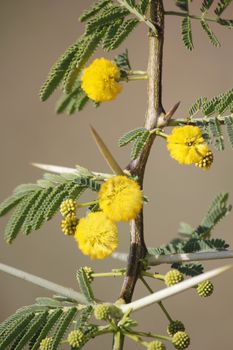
138	249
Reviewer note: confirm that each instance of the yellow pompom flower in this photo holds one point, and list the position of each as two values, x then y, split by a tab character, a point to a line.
120	198
186	145
97	236
100	80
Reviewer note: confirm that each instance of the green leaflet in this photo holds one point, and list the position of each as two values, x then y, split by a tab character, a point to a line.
217	211
187	33
206	4
35	204
122	61
105	18
73	102
95	9
110	34
121	34
221	6
32	328
10	203
88	183
143	6
189	269
229	124
85	315
50	322
84	285
58	71
183	4
139	144
16	221
226	22
215	129
63	324
185	229
18	326
130	136
213	39
196	107
89	45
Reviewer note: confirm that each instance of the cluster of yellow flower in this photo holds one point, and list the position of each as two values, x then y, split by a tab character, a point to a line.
100	80
186	145
120	199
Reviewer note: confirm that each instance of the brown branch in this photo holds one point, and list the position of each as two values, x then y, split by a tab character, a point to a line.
137	168
137	245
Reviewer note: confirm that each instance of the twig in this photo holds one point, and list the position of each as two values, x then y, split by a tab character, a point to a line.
170	291
137	14
56	288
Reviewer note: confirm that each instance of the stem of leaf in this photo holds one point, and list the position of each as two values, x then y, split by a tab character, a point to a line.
109	274
87	204
183	14
136	338
160	302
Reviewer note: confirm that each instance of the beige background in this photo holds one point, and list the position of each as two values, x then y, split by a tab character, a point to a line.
32	35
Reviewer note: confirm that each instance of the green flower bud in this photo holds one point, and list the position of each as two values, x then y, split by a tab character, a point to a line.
69	224
181	340
107	311
76	339
174	327
173	277
44	344
68	206
156	345
205	289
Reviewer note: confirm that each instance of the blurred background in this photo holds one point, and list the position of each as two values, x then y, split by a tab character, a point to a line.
33	35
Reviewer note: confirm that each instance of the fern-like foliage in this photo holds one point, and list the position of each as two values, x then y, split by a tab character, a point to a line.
195	240
139	137
182	4
106	24
47	318
35	204
206	5
187	33
213	111
84	285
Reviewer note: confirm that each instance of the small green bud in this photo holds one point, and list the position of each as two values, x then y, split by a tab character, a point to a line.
68	206
174	327
205	289
181	340
156	345
88	271
107	311
44	344
76	339
173	277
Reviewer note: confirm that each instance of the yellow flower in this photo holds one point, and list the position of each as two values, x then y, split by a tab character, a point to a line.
120	198
186	145
96	235
100	80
